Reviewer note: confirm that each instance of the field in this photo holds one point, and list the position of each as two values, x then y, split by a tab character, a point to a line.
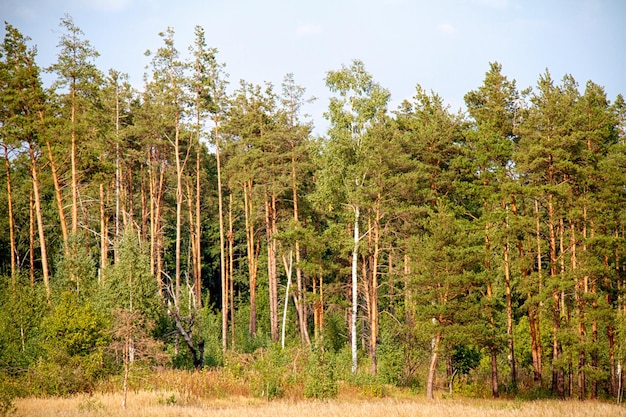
169	404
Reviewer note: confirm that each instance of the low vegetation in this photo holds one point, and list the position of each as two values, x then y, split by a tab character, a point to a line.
169	404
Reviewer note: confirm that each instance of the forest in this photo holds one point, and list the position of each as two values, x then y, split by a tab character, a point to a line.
196	225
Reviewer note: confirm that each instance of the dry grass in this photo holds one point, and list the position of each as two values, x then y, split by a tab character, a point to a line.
168	403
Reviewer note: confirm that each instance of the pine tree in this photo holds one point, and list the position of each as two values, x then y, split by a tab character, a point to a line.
493	108
78	81
22	108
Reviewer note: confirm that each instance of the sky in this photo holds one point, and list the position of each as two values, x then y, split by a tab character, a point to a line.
443	45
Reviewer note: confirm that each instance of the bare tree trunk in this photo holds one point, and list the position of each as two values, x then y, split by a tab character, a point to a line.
179	204
193	243
74	169
430	381
158	227
38	213
533	311
300	293
104	234
492	348
11	219
288	270
355	289
374	291
252	257
270	229
198	229
145	212
153	229
220	203
509	315
31	239
558	381
231	265
58	194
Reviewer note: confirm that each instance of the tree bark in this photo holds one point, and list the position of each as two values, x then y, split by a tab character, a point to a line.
11	219
38	213
252	256
104	234
509	315
355	289
558	380
58	194
430	381
179	204
220	204
231	266
31	238
533	309
300	293
374	291
74	169
270	228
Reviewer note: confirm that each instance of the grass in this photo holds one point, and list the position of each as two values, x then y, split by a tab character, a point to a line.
172	403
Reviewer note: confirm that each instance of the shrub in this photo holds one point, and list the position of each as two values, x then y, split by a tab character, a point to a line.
320	381
271	372
7	394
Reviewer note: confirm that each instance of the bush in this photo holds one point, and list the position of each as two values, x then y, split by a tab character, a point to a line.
7	394
271	373
74	338
320	381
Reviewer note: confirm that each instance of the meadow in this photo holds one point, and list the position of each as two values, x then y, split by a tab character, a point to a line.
170	404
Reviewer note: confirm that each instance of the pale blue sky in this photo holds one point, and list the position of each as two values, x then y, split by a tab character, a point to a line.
444	45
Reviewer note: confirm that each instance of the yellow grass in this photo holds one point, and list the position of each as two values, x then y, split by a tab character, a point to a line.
170	404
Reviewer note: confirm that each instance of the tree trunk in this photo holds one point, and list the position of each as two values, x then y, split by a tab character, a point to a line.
509	315
179	206
270	229
231	266
288	270
355	288
558	380
158	227
74	169
494	362
301	293
374	291
11	219
58	194
252	257
220	204
104	234
38	213
197	290
31	239
430	381
533	309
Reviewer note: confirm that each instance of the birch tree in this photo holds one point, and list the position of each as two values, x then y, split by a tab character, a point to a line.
359	102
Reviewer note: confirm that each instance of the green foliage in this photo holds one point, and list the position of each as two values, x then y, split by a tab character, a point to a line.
211	329
271	373
391	355
128	283
21	314
320	380
465	358
73	340
8	392
76	269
